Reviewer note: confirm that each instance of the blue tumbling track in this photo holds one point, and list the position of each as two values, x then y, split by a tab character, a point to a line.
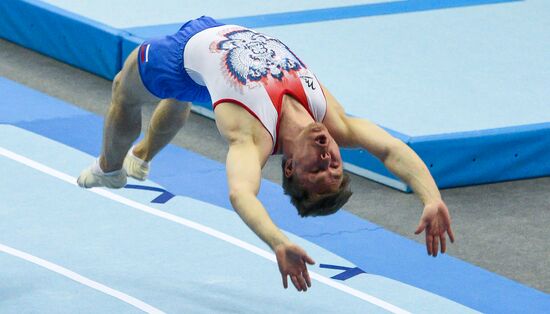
369	247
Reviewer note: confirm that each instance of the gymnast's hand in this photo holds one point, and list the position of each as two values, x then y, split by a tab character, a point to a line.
292	261
436	220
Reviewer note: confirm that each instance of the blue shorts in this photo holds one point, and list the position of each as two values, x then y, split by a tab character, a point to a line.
161	64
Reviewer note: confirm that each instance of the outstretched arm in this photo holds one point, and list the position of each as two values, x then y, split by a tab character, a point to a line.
402	161
244	174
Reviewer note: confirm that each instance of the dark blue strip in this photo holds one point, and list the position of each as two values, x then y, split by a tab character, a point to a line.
327	14
373	9
333	267
348	272
161	199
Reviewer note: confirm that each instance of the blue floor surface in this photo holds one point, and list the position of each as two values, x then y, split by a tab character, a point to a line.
168	265
57	217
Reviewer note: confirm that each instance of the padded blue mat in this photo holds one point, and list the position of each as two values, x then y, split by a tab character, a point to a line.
464	95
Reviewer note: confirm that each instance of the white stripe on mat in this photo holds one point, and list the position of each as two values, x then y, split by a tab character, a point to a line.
199	227
81	279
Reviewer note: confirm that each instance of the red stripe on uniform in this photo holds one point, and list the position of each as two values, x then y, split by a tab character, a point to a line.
290	84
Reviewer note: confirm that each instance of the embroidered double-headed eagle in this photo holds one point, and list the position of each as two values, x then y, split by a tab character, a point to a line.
251	57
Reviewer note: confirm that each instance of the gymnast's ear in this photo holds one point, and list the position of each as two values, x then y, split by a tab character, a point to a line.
288	167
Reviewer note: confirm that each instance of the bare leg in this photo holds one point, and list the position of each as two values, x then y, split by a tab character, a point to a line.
168	118
123	122
122	127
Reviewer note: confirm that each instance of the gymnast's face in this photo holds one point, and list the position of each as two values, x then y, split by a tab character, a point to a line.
317	162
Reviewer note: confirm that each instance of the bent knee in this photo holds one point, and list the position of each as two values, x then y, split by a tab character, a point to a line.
120	95
124	88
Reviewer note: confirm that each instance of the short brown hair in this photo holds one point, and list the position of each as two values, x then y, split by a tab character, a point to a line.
319	204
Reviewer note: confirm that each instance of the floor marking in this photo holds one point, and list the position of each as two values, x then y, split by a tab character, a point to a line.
199	227
324	14
353	11
81	279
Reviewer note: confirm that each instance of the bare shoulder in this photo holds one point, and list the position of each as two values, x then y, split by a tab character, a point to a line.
336	120
237	125
356	132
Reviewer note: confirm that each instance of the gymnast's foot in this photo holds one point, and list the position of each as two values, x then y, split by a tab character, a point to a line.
135	167
93	176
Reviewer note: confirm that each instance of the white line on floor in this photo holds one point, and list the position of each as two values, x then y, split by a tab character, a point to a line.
81	279
199	227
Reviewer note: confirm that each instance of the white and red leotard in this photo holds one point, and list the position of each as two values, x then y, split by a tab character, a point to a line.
252	70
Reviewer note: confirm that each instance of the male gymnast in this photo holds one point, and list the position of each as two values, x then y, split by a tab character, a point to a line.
266	101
